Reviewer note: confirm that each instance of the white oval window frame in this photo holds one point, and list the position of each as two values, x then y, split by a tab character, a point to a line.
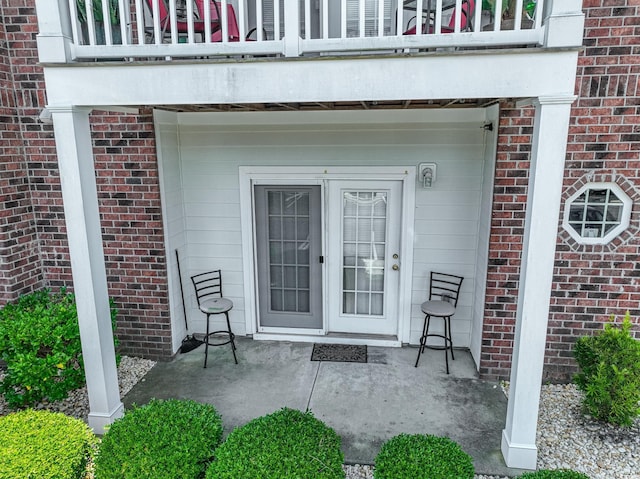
624	222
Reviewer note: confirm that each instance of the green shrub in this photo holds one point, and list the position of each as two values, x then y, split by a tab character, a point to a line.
285	444
422	456
44	445
163	440
554	474
610	374
40	342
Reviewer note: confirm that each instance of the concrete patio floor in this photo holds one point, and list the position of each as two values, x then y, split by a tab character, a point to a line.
365	403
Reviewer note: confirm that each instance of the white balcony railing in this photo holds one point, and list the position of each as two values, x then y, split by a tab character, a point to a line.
141	29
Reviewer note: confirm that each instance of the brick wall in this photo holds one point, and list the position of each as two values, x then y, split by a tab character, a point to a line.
590	282
20	267
131	219
132	230
33	240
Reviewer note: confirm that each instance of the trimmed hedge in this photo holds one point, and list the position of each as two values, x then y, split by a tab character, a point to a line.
40	342
162	440
422	456
44	445
554	474
285	444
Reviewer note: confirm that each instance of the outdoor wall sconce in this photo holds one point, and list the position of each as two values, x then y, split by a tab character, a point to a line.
427	174
45	116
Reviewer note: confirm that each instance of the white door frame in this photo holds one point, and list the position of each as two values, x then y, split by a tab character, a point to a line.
251	175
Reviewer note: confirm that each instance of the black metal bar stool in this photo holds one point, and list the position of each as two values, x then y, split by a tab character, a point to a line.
446	287
208	288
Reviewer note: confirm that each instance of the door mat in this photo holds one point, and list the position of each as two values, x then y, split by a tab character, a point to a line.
347	353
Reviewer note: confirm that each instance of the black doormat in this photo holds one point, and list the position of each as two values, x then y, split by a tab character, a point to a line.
347	353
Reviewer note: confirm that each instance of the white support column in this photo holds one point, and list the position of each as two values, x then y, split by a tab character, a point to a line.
549	146
54	31
77	176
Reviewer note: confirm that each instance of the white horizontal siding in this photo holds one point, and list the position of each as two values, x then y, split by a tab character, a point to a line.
173	217
454	213
204	181
453	227
312	138
221	195
213	223
446	233
221	238
446	242
204	210
446	226
484	229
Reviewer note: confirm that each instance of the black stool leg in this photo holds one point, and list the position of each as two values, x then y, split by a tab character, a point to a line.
450	337
446	345
206	343
423	338
448	341
231	338
426	332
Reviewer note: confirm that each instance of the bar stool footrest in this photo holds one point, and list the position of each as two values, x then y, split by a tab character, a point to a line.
231	336
438	348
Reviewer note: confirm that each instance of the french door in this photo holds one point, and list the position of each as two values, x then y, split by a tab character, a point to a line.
351	286
363	256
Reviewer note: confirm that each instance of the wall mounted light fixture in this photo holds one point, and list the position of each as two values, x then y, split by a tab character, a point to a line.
427	174
45	116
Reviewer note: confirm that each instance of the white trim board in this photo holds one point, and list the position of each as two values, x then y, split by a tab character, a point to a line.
496	74
437	118
301	338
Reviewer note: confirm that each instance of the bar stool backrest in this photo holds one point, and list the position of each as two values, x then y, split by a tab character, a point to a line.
445	287
207	285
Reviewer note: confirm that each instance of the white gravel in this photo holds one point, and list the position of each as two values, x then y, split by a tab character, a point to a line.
130	371
358	471
566	438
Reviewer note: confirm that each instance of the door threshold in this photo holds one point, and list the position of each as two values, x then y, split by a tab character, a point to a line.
389	341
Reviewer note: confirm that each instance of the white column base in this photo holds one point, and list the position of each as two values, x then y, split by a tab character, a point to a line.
99	422
519	456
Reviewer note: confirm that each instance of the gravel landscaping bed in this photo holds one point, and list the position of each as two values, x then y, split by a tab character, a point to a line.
130	371
566	438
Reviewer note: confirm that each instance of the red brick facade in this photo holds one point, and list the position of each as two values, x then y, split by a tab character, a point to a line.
132	230
590	283
33	243
20	266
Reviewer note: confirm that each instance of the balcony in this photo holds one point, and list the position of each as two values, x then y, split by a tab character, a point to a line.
137	30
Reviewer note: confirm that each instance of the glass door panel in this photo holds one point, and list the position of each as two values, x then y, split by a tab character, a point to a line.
288	244
364	244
